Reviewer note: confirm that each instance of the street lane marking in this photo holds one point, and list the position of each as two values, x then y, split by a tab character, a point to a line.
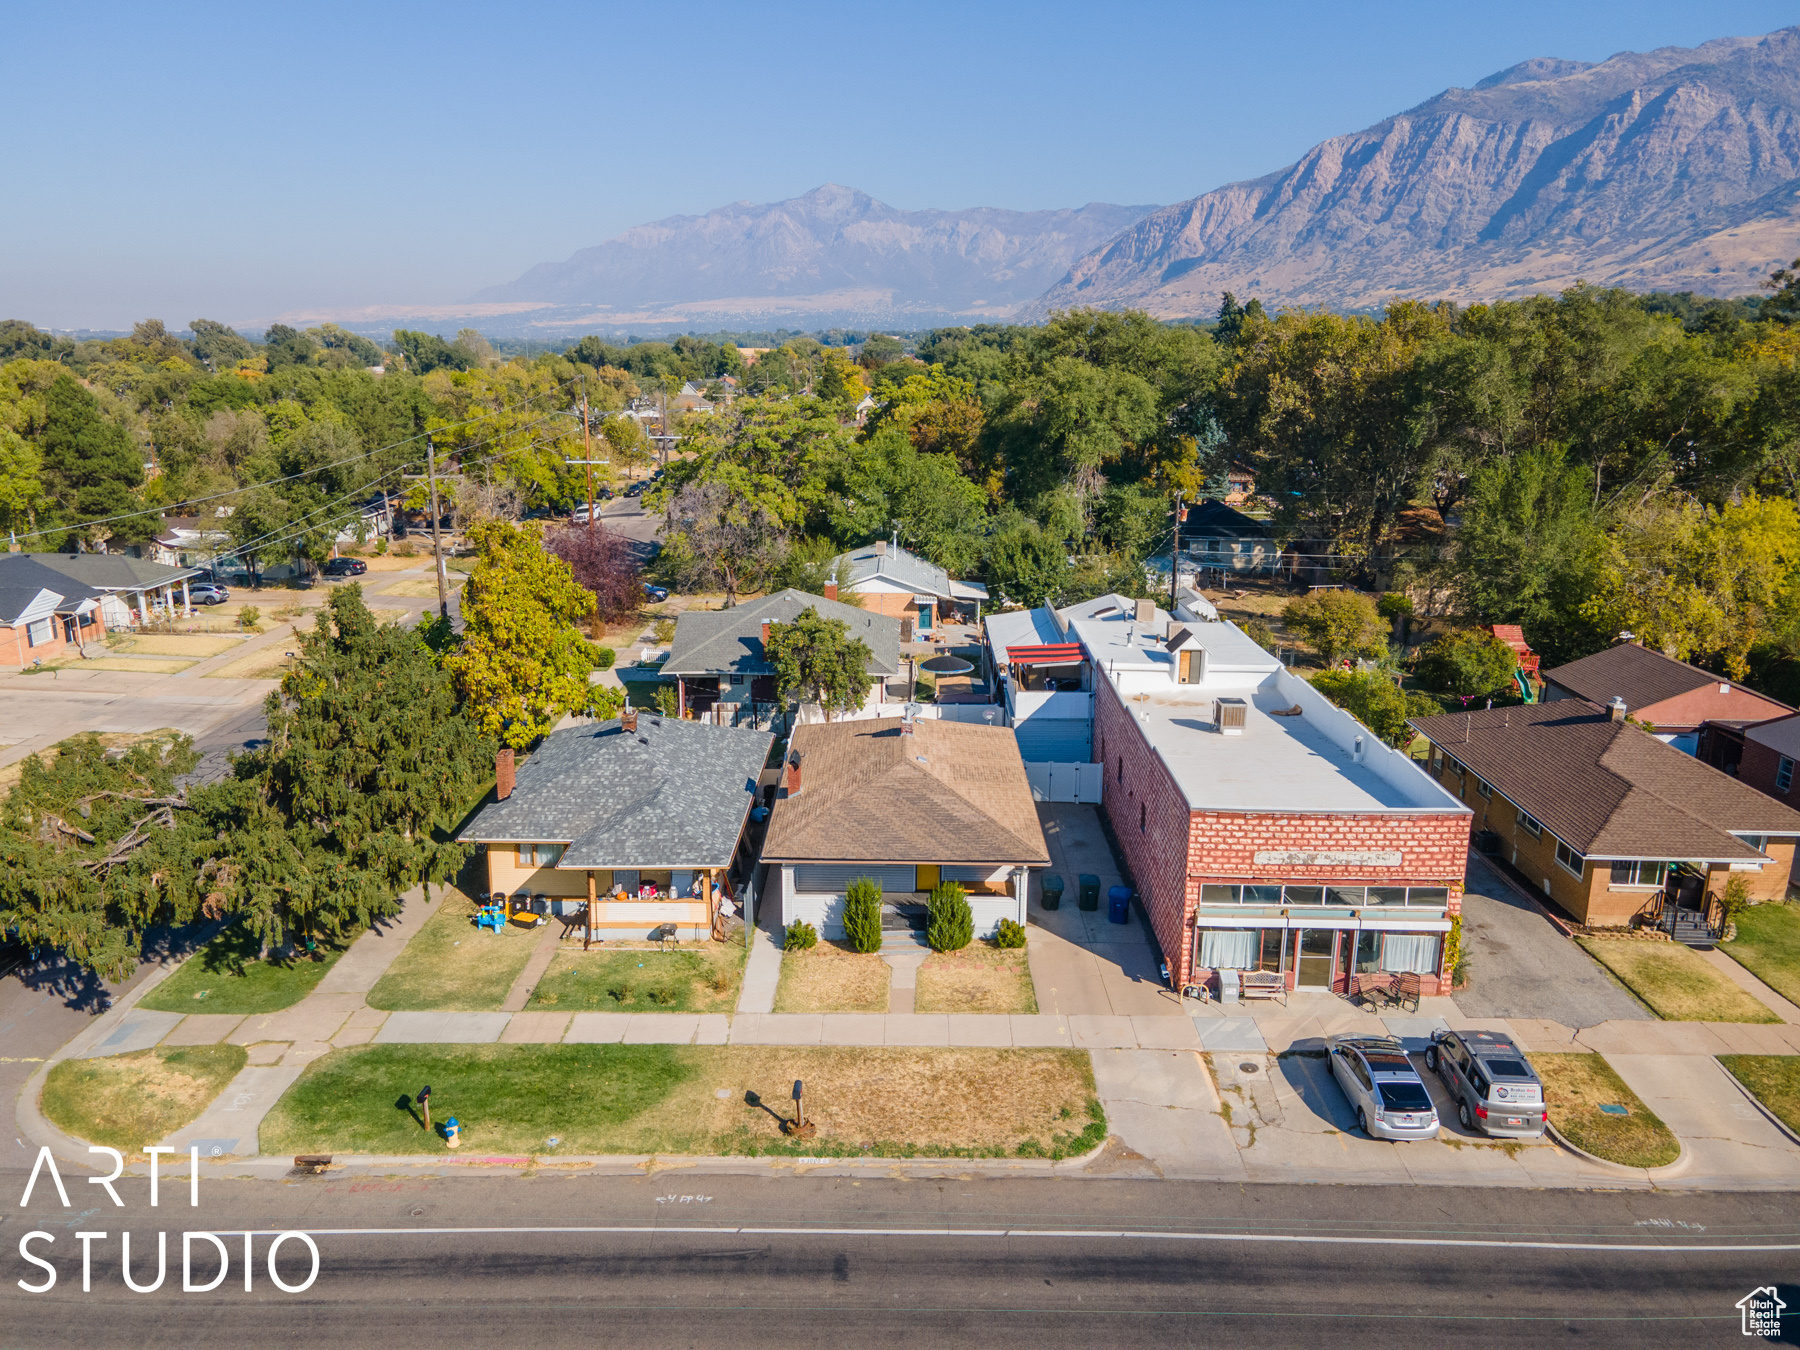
1116	1234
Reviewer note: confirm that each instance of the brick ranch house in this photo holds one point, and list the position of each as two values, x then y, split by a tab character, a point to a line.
1266	828
892	580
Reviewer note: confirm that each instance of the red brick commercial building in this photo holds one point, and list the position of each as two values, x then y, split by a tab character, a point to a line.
1265	827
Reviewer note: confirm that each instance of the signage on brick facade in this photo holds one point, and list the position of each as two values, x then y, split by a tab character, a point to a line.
1340	857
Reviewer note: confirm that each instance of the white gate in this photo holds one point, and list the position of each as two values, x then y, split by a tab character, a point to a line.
1051	782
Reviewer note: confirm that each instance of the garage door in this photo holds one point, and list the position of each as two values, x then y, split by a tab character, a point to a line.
834	879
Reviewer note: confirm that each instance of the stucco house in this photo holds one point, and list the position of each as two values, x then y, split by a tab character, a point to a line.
911	805
638	823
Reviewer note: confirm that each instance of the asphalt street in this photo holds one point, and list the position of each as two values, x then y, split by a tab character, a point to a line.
682	1259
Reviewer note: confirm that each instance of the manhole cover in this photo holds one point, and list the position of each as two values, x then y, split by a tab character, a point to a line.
417	1212
1248	1067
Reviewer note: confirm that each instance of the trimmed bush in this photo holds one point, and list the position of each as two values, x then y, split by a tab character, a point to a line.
862	914
249	616
604	658
800	936
950	923
1011	934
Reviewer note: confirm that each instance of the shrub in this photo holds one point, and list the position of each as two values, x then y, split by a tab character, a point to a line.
862	914
249	617
1337	624
604	658
800	936
663	631
381	546
950	923
1261	634
1011	934
668	702
1736	898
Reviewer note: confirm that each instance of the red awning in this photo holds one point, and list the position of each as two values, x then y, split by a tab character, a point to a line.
1055	654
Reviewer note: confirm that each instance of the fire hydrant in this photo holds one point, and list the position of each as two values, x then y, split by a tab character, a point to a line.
452	1132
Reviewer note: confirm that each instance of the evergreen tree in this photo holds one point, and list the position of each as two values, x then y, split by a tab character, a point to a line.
90	465
370	763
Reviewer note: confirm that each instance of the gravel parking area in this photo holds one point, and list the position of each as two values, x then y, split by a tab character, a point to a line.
1522	965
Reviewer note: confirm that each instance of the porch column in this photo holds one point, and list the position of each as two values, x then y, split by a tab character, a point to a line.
187	601
592	896
143	608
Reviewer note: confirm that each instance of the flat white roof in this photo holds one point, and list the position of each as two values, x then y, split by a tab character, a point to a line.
1292	764
1021	628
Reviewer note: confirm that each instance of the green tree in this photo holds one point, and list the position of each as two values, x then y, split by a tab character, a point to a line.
521	664
949	922
1372	697
1467	664
91	468
817	659
862	915
1337	623
370	763
1025	565
426	352
21	481
96	848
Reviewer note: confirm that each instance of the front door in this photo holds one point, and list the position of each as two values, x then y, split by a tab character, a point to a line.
1316	946
924	618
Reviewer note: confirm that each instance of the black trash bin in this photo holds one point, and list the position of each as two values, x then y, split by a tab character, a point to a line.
1090	891
1053	889
1118	904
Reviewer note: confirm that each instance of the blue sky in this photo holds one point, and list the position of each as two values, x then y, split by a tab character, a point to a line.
243	161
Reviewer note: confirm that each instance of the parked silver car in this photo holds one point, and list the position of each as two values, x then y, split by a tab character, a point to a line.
1383	1088
1494	1086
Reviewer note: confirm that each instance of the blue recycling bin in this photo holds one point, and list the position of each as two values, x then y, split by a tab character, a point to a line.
1118	904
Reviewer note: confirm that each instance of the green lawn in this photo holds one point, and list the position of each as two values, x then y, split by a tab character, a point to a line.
1677	984
701	979
685	1099
1773	1079
1768	945
452	966
225	976
130	1101
1577	1086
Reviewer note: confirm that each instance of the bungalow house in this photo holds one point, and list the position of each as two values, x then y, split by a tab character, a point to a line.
42	612
638	822
892	580
1216	535
1669	696
1266	829
910	804
128	589
717	657
1615	825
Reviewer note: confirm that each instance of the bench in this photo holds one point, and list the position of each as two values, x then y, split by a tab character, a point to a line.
1387	990
1262	984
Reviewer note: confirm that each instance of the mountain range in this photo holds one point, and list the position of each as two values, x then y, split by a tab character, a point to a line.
1677	169
834	255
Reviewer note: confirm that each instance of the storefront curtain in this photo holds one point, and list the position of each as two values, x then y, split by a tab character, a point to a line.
1228	948
1410	952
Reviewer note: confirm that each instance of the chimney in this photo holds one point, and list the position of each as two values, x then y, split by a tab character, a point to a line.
793	773
765	635
503	774
881	548
1616	709
628	721
831	590
1145	612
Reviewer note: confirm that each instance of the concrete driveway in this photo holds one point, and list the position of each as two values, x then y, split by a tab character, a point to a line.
1522	965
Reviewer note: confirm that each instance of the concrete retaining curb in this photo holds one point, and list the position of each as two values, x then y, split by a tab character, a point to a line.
1757	1102
1622	1169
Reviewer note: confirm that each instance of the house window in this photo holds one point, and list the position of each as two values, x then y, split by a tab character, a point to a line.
1483	791
1571	860
539	855
1646	874
1759	842
1530	826
37	633
1784	774
1437	762
737	679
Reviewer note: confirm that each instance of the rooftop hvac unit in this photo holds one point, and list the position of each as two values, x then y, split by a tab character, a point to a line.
1230	716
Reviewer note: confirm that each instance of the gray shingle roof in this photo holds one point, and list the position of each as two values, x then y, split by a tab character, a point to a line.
899	566
26	572
715	641
110	571
673	795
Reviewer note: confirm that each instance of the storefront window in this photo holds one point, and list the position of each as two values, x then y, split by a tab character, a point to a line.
1273	945
1306	895
1346	895
1229	948
1387	895
1428	895
1368	953
1218	895
1415	953
1262	895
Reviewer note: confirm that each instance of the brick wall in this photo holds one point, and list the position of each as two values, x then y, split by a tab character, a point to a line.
1173	850
16	648
894	604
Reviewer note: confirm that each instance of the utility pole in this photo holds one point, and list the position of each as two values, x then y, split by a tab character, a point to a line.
437	544
587	448
1175	553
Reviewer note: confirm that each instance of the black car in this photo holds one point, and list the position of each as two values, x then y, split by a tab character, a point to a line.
346	567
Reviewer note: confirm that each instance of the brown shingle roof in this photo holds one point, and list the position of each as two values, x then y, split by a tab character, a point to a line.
949	793
1608	789
1636	674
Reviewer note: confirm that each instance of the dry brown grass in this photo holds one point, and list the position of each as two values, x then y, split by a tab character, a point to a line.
832	978
884	1099
978	979
267	664
191	645
149	665
422	588
128	1101
1575	1088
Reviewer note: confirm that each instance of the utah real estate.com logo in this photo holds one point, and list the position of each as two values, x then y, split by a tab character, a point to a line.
1762	1312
